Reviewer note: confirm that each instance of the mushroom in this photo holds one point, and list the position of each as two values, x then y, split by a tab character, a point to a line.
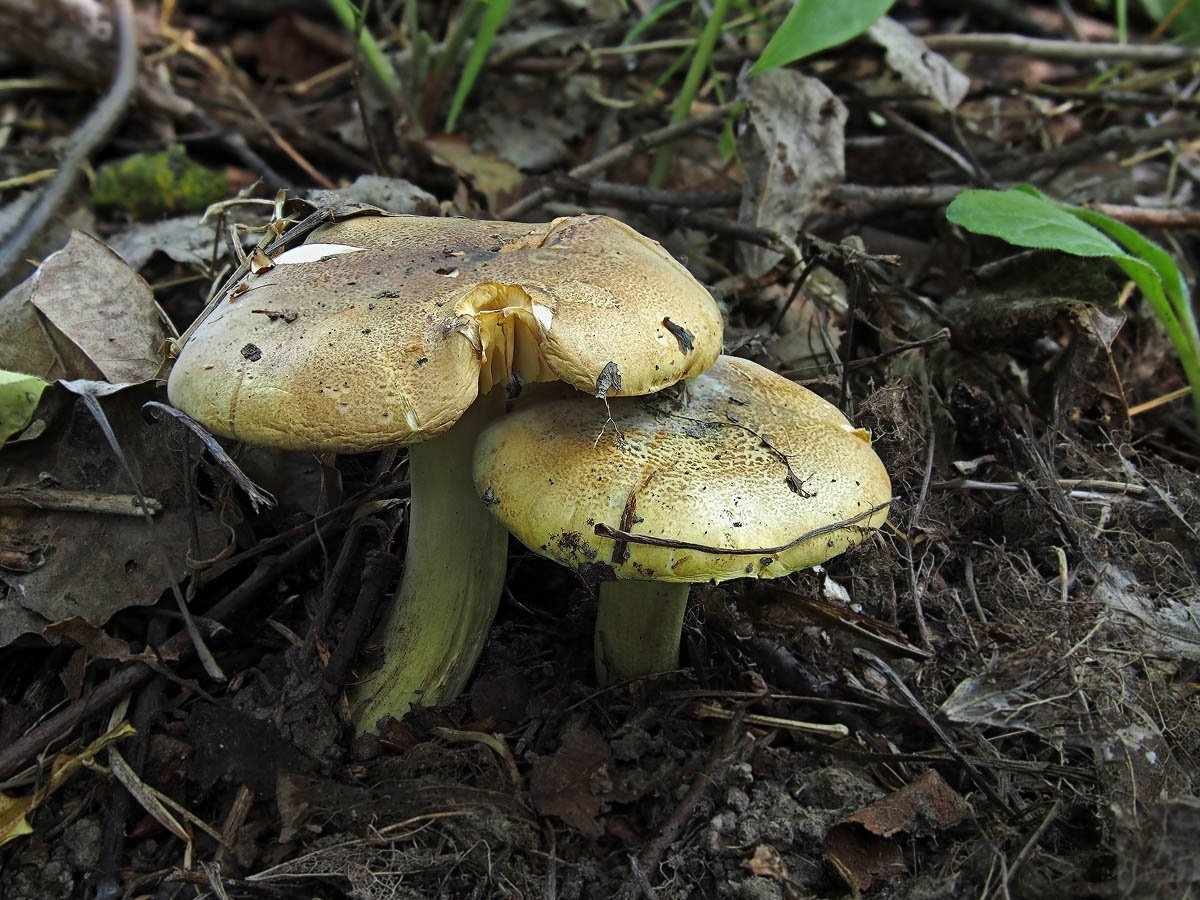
744	475
389	331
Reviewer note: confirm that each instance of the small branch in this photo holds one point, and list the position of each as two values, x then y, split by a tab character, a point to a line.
1062	51
76	501
54	727
619	154
1149	217
1116	138
631	537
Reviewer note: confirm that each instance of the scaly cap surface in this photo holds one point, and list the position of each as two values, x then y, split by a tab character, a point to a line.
383	329
746	460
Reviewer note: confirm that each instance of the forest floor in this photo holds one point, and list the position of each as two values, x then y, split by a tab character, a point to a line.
997	695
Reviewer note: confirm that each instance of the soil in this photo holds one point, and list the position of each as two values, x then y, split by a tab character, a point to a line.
994	696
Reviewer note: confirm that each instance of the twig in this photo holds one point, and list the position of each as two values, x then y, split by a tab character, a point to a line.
933	142
635	195
919	708
1149	217
1063	51
36	740
669	833
379	572
76	501
619	154
1110	139
631	537
88	136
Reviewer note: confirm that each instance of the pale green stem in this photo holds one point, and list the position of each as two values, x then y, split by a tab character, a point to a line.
453	577
638	625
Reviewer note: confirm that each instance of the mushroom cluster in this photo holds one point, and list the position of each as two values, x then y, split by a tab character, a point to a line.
741	474
386	331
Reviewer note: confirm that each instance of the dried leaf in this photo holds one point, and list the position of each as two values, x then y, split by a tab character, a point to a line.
928	73
14	810
860	846
103	307
495	178
100	564
791	147
573	783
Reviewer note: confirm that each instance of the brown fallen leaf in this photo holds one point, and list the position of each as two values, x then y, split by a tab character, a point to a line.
78	564
103	307
577	782
860	846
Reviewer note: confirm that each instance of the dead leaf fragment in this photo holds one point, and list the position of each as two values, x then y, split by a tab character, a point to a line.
80	564
767	862
13	810
928	73
103	307
791	146
860	846
574	783
497	179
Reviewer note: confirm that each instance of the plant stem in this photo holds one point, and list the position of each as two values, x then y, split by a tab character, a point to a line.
638	625
453	577
691	84
380	66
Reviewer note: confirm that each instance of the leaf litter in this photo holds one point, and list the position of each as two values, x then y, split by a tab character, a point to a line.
1004	680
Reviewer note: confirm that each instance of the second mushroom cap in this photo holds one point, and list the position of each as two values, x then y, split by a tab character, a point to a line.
722	482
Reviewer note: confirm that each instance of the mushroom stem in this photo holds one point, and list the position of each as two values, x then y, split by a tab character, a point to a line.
453	577
638	624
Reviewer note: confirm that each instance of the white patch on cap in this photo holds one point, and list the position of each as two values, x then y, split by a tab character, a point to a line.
544	315
313	253
411	420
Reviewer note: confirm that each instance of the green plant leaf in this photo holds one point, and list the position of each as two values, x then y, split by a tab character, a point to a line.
815	25
489	26
1028	220
19	396
1143	248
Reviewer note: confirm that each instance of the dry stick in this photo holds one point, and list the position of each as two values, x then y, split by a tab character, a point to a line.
919	708
35	741
1115	138
618	154
380	570
652	856
1065	51
933	142
88	136
636	195
347	556
97	502
1144	217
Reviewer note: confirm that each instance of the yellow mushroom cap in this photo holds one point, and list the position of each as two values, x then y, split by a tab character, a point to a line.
382	330
746	461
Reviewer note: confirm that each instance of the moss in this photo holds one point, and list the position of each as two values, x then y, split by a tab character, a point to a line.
148	185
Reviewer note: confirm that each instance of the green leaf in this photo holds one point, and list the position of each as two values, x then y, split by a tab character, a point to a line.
489	26
19	396
1028	221
1026	217
815	25
1143	248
